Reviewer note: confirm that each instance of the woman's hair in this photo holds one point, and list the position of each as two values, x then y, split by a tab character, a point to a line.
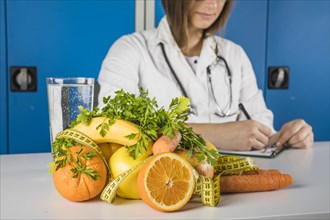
177	12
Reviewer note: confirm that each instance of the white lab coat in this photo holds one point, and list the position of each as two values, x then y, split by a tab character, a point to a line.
136	60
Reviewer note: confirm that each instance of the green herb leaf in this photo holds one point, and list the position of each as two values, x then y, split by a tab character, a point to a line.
104	128
89	155
152	121
60	145
82	169
51	166
90	172
85	116
63	162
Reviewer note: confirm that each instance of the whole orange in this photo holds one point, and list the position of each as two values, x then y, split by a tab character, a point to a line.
74	181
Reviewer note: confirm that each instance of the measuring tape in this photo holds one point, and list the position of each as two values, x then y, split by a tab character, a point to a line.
207	188
109	192
234	165
83	140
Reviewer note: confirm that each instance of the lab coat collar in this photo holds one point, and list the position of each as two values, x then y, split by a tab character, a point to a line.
208	54
163	34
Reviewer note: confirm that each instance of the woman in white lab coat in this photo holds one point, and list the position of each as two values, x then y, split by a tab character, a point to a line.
182	56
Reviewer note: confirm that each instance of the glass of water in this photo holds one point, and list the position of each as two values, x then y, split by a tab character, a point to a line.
64	97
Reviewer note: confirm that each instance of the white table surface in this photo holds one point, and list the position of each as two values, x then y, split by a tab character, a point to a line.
27	192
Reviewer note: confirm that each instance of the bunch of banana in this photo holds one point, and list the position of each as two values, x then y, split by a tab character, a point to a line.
116	133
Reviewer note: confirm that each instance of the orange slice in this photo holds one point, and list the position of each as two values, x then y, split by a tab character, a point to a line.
166	182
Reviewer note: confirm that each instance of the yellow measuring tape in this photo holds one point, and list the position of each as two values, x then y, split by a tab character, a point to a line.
109	192
233	165
208	189
84	140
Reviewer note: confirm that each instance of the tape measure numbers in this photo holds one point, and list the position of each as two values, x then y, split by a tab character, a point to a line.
209	190
234	165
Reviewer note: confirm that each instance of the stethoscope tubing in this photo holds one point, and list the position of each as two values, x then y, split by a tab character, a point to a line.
192	107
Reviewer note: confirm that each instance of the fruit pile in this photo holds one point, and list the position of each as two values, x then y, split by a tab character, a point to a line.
144	152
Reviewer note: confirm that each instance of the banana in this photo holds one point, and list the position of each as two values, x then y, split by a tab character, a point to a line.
115	134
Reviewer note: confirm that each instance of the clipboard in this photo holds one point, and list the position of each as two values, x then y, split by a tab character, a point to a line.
270	151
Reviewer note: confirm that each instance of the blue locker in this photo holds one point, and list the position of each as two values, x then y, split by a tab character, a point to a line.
159	11
62	39
247	27
298	37
3	80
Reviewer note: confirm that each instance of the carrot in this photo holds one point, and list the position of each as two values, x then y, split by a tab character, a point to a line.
166	144
254	183
203	168
263	172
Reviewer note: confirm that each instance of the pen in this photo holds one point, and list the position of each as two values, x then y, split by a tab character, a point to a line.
241	106
273	147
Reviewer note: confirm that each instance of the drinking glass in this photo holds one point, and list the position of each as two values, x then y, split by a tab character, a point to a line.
64	97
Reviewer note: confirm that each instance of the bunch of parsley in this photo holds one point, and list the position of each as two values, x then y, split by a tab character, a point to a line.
152	121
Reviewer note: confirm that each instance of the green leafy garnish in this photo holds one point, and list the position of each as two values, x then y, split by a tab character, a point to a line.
82	169
89	155
152	122
60	153
85	116
62	156
60	146
104	127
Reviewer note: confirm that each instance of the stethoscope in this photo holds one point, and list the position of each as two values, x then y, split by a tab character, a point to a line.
193	109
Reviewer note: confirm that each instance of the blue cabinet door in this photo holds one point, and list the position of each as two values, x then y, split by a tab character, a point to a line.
3	81
247	26
62	39
298	37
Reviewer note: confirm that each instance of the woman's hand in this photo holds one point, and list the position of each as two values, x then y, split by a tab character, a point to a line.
240	136
296	133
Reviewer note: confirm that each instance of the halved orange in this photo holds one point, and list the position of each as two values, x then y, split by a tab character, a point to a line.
166	182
